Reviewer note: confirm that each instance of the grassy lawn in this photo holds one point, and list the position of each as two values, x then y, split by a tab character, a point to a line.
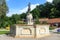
51	28
4	32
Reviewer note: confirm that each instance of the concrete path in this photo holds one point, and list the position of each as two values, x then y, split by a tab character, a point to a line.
52	37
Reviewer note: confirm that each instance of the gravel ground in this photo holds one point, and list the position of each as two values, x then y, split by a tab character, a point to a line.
52	37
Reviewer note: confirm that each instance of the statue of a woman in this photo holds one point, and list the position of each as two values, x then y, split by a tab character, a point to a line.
29	19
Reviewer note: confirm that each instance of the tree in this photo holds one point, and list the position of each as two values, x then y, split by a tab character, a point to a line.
43	10
57	4
15	18
3	8
3	11
23	16
35	12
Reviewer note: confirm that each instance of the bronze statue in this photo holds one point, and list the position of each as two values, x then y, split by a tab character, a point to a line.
29	7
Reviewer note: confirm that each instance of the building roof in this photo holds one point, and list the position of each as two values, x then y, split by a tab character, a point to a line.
54	20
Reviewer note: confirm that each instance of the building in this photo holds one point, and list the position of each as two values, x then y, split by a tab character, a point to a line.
52	22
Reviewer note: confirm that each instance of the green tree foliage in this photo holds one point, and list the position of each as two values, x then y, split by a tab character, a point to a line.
54	13
57	4
14	18
23	16
3	8
37	20
3	11
43	10
35	12
46	10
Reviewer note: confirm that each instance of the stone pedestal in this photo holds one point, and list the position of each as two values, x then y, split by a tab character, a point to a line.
29	31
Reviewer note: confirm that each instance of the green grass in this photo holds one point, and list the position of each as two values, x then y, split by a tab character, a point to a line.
4	32
51	28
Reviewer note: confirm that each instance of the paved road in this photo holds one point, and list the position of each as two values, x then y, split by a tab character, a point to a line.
52	37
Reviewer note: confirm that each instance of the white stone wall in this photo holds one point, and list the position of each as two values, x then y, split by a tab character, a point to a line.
42	30
25	31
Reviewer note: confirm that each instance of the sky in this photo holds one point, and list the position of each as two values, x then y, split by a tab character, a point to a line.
20	6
